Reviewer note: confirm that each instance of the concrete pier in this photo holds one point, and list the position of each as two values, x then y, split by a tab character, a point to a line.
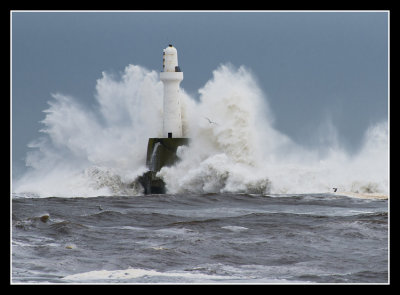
160	152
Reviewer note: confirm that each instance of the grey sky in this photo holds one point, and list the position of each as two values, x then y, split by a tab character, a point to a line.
310	65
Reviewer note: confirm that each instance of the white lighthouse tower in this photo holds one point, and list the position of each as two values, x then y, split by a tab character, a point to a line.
161	151
171	76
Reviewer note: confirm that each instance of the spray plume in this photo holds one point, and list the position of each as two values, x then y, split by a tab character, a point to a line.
234	146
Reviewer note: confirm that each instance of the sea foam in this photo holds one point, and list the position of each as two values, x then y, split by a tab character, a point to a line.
235	146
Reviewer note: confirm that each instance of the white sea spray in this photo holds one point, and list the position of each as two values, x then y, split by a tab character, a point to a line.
234	147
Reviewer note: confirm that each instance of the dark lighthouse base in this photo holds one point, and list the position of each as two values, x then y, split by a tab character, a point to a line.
161	152
151	183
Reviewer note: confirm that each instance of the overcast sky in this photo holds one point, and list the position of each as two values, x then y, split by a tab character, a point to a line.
310	65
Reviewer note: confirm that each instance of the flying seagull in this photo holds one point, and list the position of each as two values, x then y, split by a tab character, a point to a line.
211	122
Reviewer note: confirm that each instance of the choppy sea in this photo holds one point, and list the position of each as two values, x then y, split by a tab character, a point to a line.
199	239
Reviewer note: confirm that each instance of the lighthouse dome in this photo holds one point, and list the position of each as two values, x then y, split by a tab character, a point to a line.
170	59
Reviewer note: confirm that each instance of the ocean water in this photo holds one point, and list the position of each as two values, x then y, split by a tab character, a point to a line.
200	239
245	203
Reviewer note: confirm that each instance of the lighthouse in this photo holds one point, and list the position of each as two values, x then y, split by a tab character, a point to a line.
161	151
171	76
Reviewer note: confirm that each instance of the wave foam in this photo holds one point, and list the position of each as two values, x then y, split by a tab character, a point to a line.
101	151
135	273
